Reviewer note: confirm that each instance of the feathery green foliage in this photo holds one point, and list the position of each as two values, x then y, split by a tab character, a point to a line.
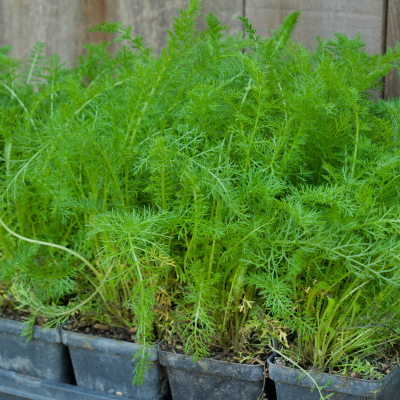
232	181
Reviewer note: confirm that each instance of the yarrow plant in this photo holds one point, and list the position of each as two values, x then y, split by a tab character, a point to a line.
222	192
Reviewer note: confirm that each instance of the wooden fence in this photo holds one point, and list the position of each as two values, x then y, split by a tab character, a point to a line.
63	24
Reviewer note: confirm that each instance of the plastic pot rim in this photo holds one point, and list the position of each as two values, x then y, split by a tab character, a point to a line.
244	372
106	345
329	382
50	335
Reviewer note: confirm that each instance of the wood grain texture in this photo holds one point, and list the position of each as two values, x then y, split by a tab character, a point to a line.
149	18
323	18
63	24
392	86
227	12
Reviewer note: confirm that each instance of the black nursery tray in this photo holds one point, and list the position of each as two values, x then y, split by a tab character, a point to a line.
14	386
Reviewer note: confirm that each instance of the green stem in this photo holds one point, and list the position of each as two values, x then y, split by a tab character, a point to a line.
139	120
288	154
72	310
56	246
227	308
164	200
211	261
355	147
304	372
28	216
7	154
247	165
99	94
19	101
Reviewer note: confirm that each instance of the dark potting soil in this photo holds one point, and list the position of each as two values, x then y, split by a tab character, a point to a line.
15	315
80	324
244	355
20	315
76	324
7	309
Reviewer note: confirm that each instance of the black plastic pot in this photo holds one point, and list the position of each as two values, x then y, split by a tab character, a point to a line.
213	379
14	386
44	356
106	365
293	384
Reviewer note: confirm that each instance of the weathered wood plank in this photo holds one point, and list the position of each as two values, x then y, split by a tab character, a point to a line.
63	24
323	18
392	86
227	11
151	18
148	18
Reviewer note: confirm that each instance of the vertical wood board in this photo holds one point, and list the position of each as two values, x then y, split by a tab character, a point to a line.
392	86
63	24
323	18
227	11
151	18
